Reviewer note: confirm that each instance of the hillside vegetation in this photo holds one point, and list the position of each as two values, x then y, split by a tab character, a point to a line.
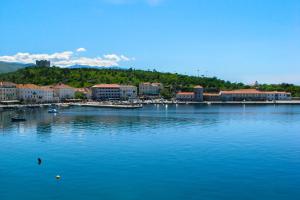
88	77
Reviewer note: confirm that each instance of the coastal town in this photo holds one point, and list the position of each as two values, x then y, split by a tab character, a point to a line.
12	93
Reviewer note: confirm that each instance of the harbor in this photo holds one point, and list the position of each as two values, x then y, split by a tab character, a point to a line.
140	104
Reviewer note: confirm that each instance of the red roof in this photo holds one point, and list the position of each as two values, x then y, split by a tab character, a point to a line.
83	90
33	86
106	86
251	91
62	86
186	93
211	94
28	86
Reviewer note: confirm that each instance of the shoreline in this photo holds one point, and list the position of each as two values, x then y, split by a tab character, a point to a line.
141	104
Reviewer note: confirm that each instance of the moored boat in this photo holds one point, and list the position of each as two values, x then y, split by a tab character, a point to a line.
52	110
18	119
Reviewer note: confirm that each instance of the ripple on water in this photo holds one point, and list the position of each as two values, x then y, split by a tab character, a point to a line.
183	152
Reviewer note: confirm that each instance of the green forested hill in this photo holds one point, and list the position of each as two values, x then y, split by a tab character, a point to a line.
88	77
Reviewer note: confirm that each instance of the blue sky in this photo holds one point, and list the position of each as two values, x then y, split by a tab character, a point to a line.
236	40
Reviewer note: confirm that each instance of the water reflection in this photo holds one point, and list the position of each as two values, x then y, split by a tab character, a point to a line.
152	116
182	152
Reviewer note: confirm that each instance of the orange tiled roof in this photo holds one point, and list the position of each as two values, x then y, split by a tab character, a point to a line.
28	86
251	91
62	86
186	93
106	86
49	88
211	94
33	86
83	90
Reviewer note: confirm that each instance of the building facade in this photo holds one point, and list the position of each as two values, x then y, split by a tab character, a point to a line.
128	92
185	96
42	63
31	93
8	91
253	95
106	92
150	89
198	90
63	91
211	97
197	95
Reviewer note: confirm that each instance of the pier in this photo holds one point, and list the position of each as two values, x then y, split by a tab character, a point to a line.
102	105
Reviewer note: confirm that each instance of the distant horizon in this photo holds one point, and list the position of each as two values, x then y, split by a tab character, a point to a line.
240	41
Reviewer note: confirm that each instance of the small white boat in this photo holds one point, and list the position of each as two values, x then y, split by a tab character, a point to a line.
52	110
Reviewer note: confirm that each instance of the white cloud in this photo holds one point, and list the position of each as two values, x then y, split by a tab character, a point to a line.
81	49
125	58
67	58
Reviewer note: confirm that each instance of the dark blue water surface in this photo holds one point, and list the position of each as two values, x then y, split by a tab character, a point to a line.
179	152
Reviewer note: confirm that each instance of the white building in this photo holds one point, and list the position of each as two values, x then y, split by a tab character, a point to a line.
278	95
150	89
31	93
113	92
128	92
8	91
185	96
254	95
197	95
63	91
106	92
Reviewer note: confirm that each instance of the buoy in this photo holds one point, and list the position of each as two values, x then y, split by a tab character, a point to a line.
39	161
57	177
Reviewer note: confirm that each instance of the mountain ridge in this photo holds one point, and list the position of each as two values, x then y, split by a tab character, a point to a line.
6	67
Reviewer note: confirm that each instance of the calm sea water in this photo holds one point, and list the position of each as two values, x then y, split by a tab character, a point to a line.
183	152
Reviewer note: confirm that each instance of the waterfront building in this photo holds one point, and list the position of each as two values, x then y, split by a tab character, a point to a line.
8	91
63	91
106	92
31	93
185	96
87	92
150	89
197	95
42	63
253	95
128	92
211	97
198	91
